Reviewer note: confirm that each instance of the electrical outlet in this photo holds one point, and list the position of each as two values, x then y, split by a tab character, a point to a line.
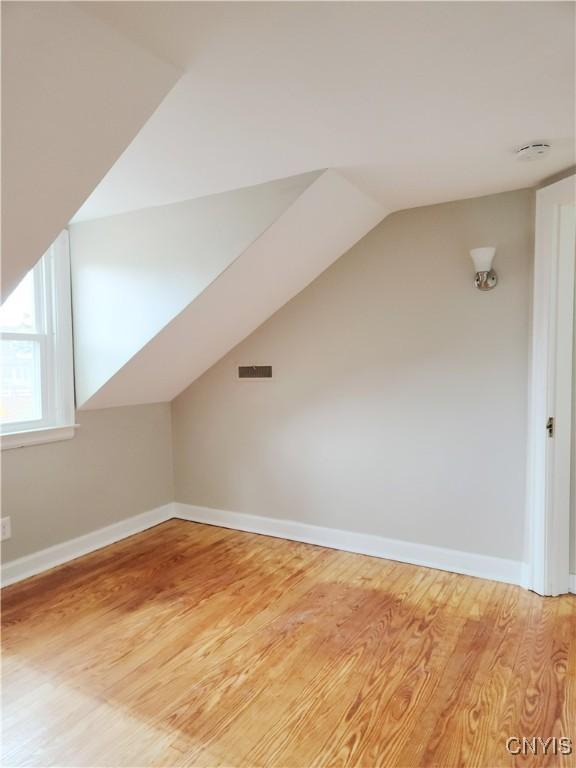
5	529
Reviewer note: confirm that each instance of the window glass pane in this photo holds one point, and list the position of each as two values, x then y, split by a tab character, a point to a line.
21	397
17	313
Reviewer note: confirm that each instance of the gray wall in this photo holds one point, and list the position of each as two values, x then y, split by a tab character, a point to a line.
398	404
119	464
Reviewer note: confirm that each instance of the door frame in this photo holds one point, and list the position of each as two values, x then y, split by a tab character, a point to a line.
548	491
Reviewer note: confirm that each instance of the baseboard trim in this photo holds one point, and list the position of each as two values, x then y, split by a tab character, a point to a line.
467	563
30	565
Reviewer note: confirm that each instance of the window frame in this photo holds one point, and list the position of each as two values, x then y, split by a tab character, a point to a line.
53	313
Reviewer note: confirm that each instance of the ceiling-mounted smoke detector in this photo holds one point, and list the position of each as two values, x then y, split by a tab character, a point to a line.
533	151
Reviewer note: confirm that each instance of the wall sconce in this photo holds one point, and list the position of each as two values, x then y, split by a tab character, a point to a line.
486	278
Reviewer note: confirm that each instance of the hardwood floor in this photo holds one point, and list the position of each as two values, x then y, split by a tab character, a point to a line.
193	645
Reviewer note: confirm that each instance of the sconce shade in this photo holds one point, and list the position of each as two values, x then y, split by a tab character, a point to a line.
482	258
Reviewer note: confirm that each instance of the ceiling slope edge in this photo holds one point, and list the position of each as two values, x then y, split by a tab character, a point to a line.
328	218
75	92
133	273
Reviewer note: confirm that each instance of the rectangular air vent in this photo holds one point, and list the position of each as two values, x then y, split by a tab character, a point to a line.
255	372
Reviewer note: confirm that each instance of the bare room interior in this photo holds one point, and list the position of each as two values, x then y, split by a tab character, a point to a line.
288	389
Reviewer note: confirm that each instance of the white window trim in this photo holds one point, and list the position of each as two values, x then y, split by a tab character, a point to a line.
37	436
57	422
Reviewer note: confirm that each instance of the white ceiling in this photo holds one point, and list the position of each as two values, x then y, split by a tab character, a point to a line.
74	94
415	102
319	226
139	270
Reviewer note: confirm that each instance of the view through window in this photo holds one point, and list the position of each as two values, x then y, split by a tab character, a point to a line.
36	347
22	343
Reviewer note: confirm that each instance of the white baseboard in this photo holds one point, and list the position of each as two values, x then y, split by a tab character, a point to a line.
572	586
30	565
470	564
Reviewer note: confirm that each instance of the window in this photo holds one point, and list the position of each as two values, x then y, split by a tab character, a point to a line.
36	378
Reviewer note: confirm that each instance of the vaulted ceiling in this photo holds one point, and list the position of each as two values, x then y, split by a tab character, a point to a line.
75	91
416	102
161	295
136	107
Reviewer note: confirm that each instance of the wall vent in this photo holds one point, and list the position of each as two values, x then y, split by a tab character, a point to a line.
255	372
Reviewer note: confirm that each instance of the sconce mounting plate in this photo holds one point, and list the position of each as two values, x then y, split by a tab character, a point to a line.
485	281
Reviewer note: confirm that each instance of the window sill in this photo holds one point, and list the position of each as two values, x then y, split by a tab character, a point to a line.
37	437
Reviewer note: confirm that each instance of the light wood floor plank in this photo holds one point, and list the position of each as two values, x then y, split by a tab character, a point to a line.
192	645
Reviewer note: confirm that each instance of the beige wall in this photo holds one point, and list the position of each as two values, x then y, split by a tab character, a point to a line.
398	404
119	464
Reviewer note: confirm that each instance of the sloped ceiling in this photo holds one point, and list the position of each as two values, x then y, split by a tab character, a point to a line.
133	273
75	92
322	223
409	103
416	102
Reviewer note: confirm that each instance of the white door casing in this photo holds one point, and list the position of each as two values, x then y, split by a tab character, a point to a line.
549	462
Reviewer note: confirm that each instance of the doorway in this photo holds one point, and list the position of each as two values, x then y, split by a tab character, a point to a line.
550	472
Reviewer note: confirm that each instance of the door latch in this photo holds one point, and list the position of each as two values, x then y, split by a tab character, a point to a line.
550	426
